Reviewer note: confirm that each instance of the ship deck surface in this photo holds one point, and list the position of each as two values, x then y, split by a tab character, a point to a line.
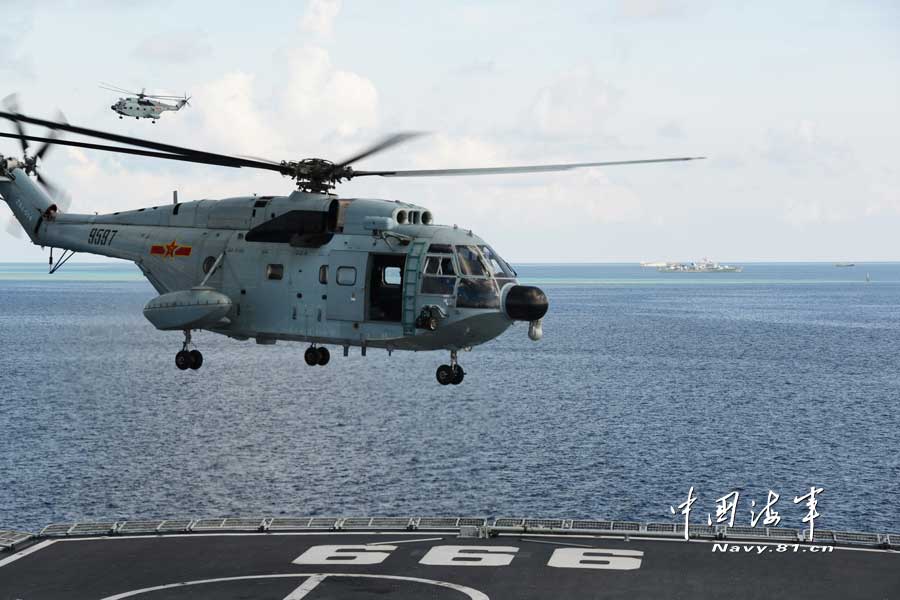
261	565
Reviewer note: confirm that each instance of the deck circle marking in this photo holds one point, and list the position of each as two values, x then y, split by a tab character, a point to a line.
318	577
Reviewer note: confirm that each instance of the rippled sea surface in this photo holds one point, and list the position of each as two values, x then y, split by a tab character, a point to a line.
645	384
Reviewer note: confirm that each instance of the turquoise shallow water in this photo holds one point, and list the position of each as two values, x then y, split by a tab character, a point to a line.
645	384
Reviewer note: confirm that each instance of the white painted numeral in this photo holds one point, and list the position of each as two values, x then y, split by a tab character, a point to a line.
595	558
344	555
469	556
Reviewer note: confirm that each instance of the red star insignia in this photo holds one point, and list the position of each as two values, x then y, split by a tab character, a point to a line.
170	249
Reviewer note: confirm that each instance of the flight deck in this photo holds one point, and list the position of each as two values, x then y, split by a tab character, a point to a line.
440	558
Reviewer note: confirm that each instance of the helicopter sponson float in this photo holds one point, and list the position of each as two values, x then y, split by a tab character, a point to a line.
309	267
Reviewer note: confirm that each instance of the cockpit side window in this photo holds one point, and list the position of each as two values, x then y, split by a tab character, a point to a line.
469	262
432	265
439	276
439	265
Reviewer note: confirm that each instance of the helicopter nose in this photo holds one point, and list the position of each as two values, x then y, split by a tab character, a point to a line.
526	303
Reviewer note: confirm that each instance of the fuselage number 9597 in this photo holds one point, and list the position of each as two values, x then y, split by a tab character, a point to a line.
101	237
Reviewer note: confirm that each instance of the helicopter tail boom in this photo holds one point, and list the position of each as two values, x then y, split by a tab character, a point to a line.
29	203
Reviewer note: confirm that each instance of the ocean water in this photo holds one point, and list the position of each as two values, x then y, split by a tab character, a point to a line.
779	378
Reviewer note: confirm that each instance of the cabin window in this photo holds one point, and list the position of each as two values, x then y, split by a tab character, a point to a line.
440	249
323	274
208	263
391	276
274	271
346	276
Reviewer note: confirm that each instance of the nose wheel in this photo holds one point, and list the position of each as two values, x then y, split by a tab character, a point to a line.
452	373
317	356
188	359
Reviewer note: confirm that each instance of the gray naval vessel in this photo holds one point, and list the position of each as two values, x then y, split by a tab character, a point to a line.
316	558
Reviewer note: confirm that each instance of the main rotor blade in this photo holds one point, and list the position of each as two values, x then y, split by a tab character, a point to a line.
61	197
115	88
194	159
515	170
11	103
54	134
383	144
163	97
189	154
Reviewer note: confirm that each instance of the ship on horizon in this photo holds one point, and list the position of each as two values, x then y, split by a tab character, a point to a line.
702	266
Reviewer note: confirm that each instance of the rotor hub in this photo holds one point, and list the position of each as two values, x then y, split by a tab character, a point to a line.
316	175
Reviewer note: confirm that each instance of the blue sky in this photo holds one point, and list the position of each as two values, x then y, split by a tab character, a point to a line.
796	104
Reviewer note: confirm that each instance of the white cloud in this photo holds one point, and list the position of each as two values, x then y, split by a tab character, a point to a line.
802	147
232	116
174	47
320	99
578	102
319	16
659	9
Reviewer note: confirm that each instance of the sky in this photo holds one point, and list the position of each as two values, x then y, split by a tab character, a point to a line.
796	105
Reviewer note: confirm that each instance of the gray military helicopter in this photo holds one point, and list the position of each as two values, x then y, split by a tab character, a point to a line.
310	266
142	105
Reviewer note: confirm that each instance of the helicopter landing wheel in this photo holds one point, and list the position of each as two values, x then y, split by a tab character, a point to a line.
324	356
452	373
183	360
444	374
311	356
188	359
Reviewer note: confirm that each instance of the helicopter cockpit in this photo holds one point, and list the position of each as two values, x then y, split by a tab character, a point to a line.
476	274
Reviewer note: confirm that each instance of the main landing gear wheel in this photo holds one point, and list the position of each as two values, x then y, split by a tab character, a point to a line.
324	356
188	359
446	375
316	356
183	360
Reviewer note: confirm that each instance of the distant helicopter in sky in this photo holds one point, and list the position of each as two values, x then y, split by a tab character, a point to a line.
142	105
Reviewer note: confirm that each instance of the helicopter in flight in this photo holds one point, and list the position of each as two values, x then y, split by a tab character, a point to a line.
309	266
142	105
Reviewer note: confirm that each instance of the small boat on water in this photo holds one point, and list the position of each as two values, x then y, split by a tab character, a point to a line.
845	264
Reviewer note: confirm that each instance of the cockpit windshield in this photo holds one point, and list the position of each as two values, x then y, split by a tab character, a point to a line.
498	266
470	262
